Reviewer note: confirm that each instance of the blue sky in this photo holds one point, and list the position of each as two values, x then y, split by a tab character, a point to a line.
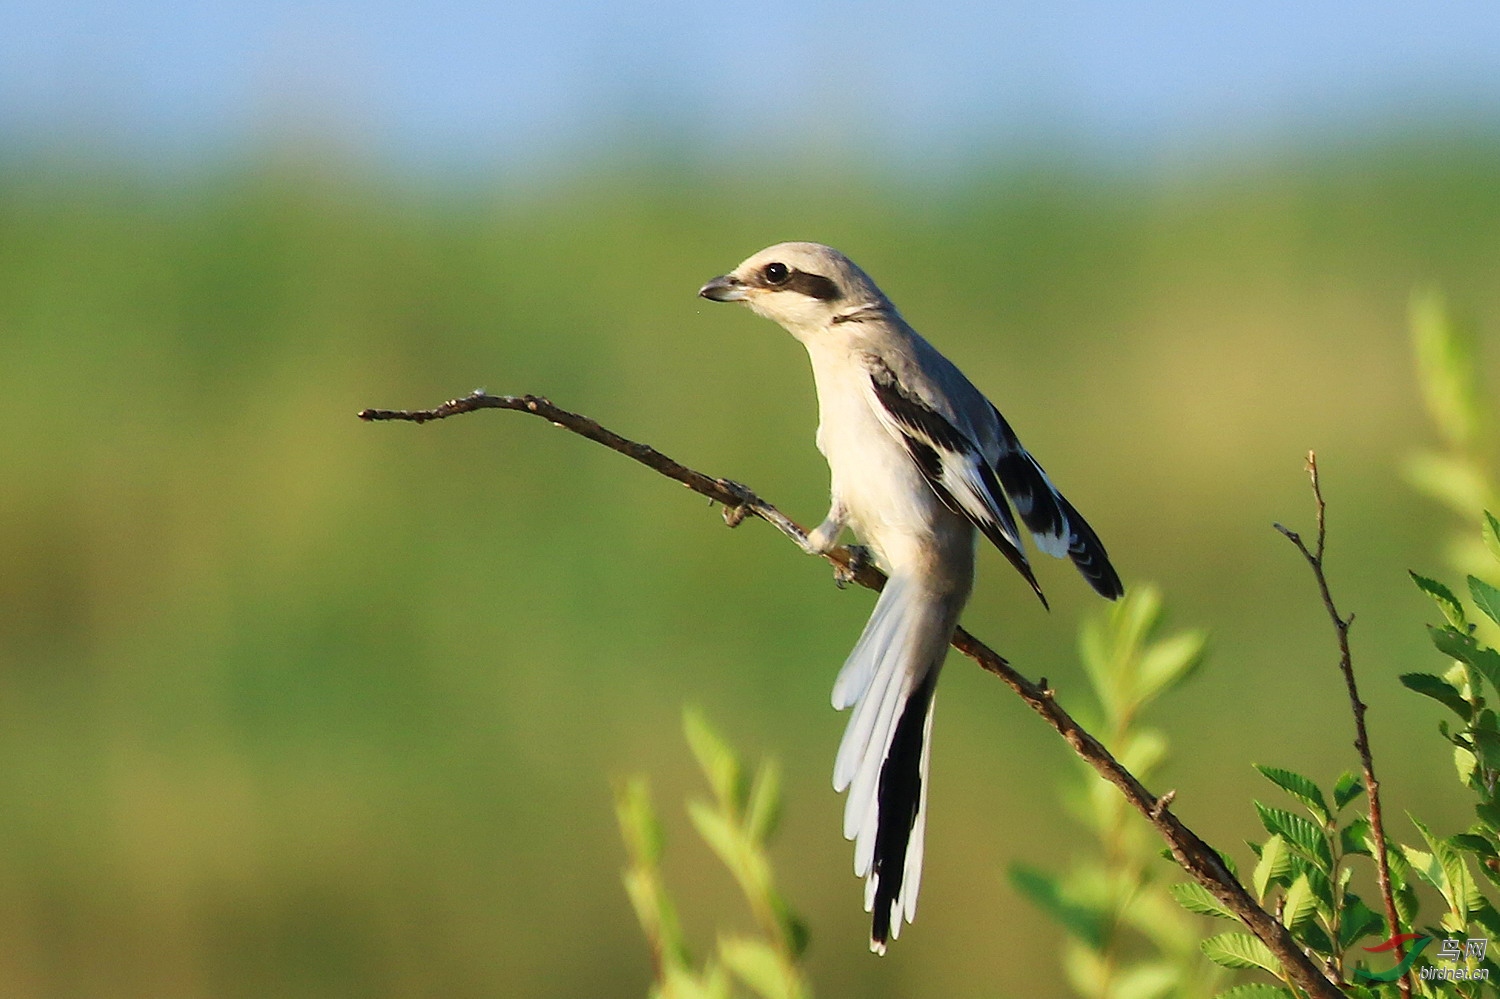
441	84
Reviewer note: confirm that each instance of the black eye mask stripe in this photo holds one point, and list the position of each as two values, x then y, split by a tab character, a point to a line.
812	285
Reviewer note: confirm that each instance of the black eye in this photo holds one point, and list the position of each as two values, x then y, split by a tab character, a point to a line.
776	273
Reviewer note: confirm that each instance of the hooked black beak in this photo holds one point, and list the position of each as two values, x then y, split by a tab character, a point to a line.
725	288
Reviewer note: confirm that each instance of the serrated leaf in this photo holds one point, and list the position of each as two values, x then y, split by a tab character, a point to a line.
1322	888
1355	838
1314	937
1275	860
1300	787
1449	875
1195	898
1348	787
1045	892
1439	690
1486	598
1299	904
1240	950
1466	648
1465	762
1255	990
1447	602
1487	747
1490	530
1475	843
1357	920
1306	838
1481	912
1489	814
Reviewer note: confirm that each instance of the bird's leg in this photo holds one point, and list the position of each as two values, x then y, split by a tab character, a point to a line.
825	537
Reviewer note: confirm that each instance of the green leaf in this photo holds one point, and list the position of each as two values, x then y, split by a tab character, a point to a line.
1481	912
1299	904
1439	690
1474	843
1491	533
721	834
1166	663
1466	648
1306	838
1448	873
763	811
1486	598
1275	861
1452	610
1240	950
759	967
1487	747
793	929
1195	898
718	762
1322	888
1445	355
1146	980
639	825
1464	761
1045	892
1255	990
1355	838
1454	480
1357	920
1299	787
1348	787
1489	814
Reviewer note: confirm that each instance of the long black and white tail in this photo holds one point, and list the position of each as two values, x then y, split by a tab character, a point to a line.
889	680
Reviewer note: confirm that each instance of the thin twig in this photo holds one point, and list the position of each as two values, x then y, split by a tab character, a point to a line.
1341	625
1196	857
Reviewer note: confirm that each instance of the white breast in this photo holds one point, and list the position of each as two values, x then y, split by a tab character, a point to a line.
891	507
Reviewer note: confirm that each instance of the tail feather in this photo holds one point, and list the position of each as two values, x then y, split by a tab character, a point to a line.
882	762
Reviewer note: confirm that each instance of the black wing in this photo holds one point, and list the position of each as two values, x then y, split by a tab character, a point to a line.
953	466
1059	529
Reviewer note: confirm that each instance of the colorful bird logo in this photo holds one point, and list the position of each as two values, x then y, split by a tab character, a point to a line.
1406	962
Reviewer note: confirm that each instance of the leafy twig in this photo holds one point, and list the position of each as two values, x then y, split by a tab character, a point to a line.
1196	857
1341	625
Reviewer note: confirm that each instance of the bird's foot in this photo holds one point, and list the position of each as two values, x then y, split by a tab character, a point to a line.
859	559
735	513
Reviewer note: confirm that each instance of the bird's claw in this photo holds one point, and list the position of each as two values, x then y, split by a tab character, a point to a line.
735	513
844	574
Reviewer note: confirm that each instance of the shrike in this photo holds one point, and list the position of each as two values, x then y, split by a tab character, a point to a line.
919	458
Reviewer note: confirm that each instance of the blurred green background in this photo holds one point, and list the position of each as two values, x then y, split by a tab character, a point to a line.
295	705
291	705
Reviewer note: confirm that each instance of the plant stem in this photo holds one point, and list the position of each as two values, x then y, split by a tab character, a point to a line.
1341	626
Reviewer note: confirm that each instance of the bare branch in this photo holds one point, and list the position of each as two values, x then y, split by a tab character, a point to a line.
1196	857
1341	625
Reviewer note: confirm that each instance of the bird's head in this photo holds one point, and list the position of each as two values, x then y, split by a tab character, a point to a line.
803	286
